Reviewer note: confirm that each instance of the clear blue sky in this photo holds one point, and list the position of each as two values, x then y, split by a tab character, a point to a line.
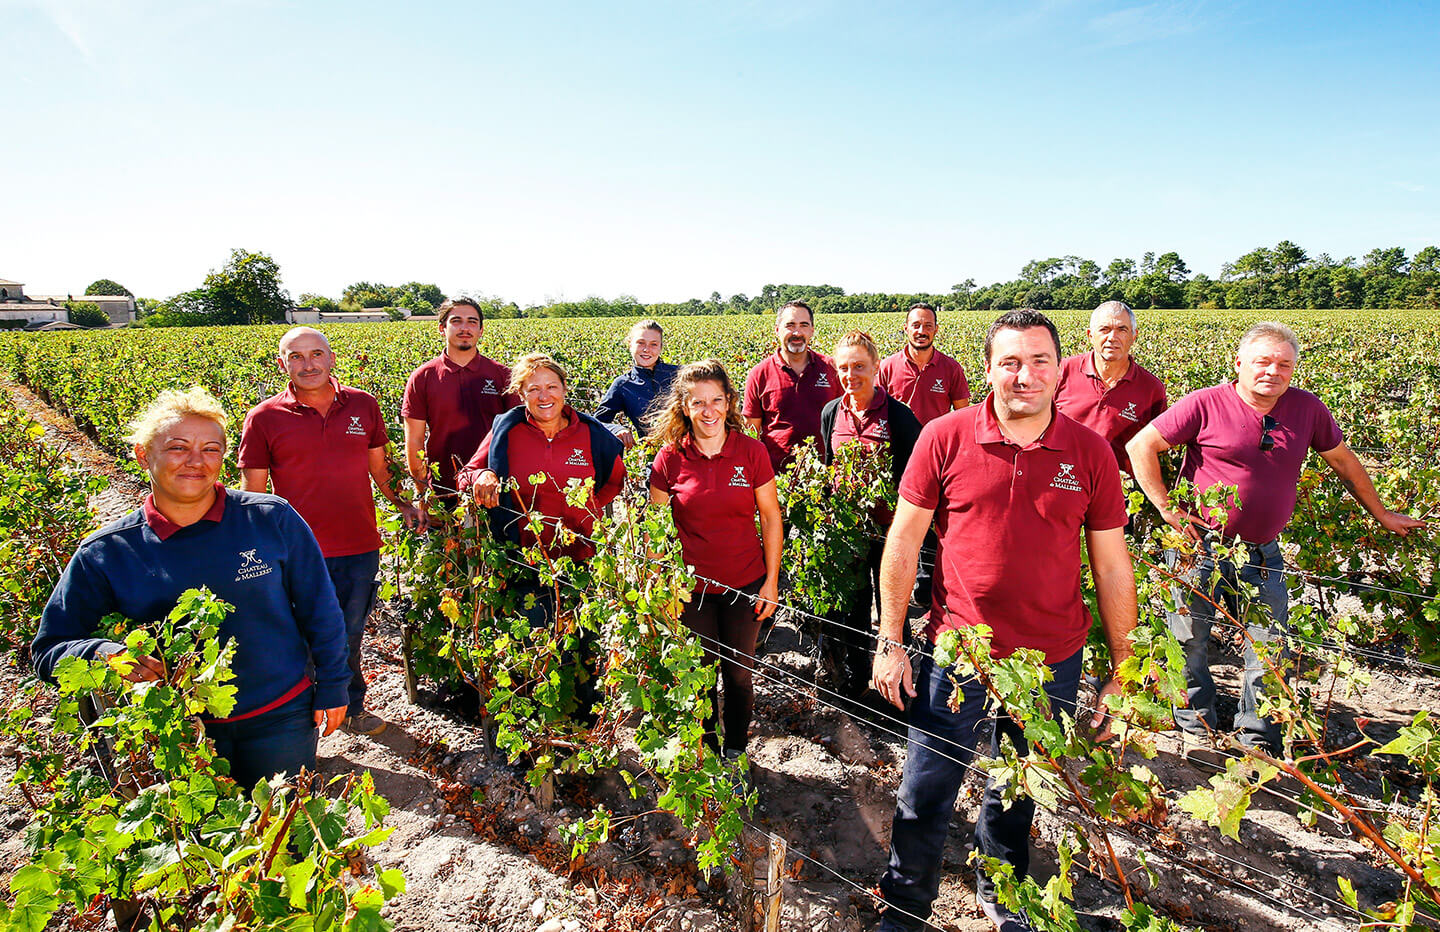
668	149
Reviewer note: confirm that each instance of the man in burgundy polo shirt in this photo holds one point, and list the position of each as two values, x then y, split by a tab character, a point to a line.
451	401
1253	433
926	380
785	392
1106	389
321	444
1010	485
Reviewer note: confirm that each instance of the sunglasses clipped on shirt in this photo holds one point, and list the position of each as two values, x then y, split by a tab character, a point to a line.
1267	442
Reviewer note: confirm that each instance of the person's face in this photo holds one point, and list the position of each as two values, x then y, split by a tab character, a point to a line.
1265	367
1111	336
308	360
857	370
920	330
1023	371
795	328
544	396
462	329
706	405
645	348
184	460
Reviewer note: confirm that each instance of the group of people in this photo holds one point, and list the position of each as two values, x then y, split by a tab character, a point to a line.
999	493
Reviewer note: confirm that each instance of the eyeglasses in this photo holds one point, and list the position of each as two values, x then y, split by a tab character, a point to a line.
1267	424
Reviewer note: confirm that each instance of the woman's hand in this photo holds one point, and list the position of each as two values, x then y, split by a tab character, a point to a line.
486	489
767	599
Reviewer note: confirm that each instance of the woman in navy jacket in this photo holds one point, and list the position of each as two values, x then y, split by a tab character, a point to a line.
253	551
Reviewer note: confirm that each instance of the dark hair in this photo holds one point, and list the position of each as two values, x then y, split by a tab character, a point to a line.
923	306
451	304
1026	318
797	303
670	420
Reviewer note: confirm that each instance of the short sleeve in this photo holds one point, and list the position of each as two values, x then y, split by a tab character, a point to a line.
1181	424
1327	434
920	485
1107	504
254	452
752	406
760	463
660	471
379	436
960	389
413	405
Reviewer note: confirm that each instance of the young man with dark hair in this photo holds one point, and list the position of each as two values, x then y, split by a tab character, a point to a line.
785	392
1010	484
452	400
924	379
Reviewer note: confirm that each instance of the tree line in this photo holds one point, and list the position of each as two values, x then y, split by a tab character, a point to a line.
247	290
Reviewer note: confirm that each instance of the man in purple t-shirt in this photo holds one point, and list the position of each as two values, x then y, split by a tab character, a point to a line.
1254	434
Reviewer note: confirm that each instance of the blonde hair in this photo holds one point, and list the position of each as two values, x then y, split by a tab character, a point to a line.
528	365
171	407
641	326
671	423
861	339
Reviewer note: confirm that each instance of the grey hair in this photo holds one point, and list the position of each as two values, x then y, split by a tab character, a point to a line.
640	326
1115	307
1269	330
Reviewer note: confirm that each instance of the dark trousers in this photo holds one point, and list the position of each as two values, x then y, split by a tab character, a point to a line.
281	740
729	618
853	644
355	586
541	614
931	780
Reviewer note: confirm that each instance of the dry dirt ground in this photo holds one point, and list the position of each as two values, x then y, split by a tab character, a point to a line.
478	853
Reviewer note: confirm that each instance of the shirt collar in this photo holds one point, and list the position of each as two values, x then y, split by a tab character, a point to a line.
877	401
288	398
689	447
164	528
473	365
1088	367
780	358
566	412
987	428
911	359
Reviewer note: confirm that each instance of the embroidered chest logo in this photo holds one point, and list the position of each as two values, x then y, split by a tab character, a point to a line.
355	429
738	481
577	458
882	430
1129	412
489	388
1065	479
823	381
939	386
251	566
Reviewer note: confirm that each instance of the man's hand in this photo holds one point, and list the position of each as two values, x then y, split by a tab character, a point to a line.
486	489
1186	524
327	720
626	437
1396	523
891	675
767	600
1101	719
414	518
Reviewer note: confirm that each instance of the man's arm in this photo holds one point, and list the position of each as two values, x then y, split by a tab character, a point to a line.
753	423
380	472
1144	450
1115	591
254	480
959	403
891	674
415	452
1352	473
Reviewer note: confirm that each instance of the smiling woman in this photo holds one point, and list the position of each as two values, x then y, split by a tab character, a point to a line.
252	550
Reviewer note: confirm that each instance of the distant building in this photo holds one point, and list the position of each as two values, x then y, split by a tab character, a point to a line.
311	315
35	310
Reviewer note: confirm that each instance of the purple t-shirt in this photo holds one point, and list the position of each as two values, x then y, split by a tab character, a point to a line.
1222	436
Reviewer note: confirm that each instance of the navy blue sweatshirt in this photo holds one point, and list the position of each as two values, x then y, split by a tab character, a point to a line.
253	551
632	393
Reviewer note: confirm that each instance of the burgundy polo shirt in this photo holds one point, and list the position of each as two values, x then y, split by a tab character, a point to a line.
930	390
788	403
713	501
458	405
1222	436
564	457
872	428
1118	413
1009	521
320	464
164	527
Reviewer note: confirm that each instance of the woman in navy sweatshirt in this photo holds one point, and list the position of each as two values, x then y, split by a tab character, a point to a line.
253	551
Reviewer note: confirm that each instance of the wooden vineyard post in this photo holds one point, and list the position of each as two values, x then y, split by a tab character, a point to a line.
773	882
412	682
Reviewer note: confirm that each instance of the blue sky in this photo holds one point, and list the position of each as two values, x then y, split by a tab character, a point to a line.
666	150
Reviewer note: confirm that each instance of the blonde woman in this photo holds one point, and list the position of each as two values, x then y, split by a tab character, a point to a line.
252	550
635	390
717	481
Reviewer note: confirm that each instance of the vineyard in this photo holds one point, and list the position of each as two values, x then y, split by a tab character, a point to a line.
511	810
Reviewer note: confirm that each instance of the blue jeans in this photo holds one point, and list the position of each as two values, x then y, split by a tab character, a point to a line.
931	781
1263	569
355	587
282	739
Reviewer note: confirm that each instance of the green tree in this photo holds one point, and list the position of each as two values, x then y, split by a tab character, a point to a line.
86	314
318	301
247	290
107	286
